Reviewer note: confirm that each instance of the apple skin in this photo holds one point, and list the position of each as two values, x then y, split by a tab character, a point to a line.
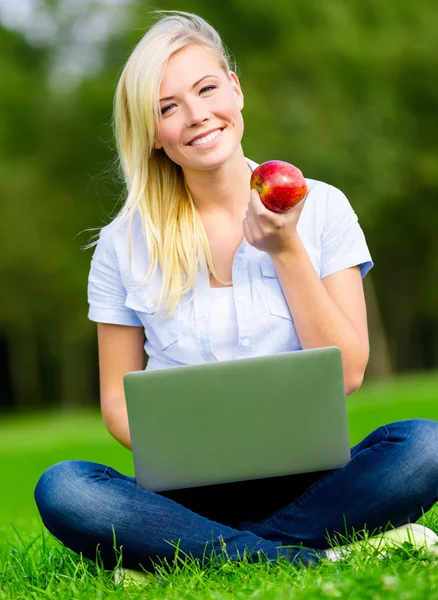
281	185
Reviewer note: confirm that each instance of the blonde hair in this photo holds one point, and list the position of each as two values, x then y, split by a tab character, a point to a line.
156	187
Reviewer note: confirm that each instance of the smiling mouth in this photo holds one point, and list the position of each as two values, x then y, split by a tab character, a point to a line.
207	138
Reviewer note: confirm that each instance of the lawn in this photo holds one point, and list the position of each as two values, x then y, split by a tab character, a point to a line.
34	565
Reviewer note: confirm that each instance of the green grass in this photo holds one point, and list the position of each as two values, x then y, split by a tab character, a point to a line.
34	565
52	572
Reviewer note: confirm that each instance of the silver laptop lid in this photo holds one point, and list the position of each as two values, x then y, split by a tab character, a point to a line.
237	420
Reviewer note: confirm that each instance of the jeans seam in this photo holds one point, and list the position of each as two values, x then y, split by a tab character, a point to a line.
331	474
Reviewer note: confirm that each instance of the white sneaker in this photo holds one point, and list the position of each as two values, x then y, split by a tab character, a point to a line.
128	577
417	535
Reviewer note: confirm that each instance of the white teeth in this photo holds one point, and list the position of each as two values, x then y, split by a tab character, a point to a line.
206	139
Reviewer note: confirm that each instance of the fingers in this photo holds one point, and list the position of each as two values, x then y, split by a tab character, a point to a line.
255	199
257	205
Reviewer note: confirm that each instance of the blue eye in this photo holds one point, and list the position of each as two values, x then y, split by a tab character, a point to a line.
207	88
166	108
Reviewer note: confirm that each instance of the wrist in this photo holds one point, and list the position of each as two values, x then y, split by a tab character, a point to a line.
293	248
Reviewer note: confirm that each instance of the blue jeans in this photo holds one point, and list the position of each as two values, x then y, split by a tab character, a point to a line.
391	479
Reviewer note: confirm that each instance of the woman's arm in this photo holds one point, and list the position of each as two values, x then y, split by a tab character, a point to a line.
121	349
327	312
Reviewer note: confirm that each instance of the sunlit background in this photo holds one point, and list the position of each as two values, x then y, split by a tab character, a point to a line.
346	91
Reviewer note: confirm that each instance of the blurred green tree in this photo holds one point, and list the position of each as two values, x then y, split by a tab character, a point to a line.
346	91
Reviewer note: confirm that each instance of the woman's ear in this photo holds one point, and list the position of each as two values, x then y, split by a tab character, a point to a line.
237	89
157	145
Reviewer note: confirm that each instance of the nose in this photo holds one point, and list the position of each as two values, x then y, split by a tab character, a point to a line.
197	112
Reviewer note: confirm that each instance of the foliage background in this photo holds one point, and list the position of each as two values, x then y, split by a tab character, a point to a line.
347	91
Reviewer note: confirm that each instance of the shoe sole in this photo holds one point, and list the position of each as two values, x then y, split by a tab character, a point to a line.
413	533
130	577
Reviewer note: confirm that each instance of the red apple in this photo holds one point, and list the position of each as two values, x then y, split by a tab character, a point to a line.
281	185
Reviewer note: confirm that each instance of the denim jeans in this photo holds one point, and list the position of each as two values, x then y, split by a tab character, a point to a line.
391	479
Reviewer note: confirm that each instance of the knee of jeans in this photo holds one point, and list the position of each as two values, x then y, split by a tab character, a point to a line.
421	438
58	486
426	442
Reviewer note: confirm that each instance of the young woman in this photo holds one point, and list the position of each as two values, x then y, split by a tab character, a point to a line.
195	245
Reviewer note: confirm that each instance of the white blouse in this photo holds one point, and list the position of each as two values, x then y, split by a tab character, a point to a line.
251	317
223	328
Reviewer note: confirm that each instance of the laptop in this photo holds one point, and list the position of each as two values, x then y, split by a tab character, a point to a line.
237	420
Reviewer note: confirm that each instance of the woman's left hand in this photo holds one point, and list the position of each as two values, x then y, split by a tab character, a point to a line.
268	231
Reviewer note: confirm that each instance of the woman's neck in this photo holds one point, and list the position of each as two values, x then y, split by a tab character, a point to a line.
222	192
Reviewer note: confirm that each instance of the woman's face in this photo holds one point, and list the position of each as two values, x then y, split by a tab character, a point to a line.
201	124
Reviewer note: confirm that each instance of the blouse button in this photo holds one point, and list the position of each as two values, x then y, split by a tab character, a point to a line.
149	304
245	342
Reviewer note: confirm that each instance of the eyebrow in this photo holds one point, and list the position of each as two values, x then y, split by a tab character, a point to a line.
193	86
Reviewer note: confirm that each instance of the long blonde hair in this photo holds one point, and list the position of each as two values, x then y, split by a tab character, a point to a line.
156	187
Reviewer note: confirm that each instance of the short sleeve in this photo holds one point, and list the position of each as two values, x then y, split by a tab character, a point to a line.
106	291
343	243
